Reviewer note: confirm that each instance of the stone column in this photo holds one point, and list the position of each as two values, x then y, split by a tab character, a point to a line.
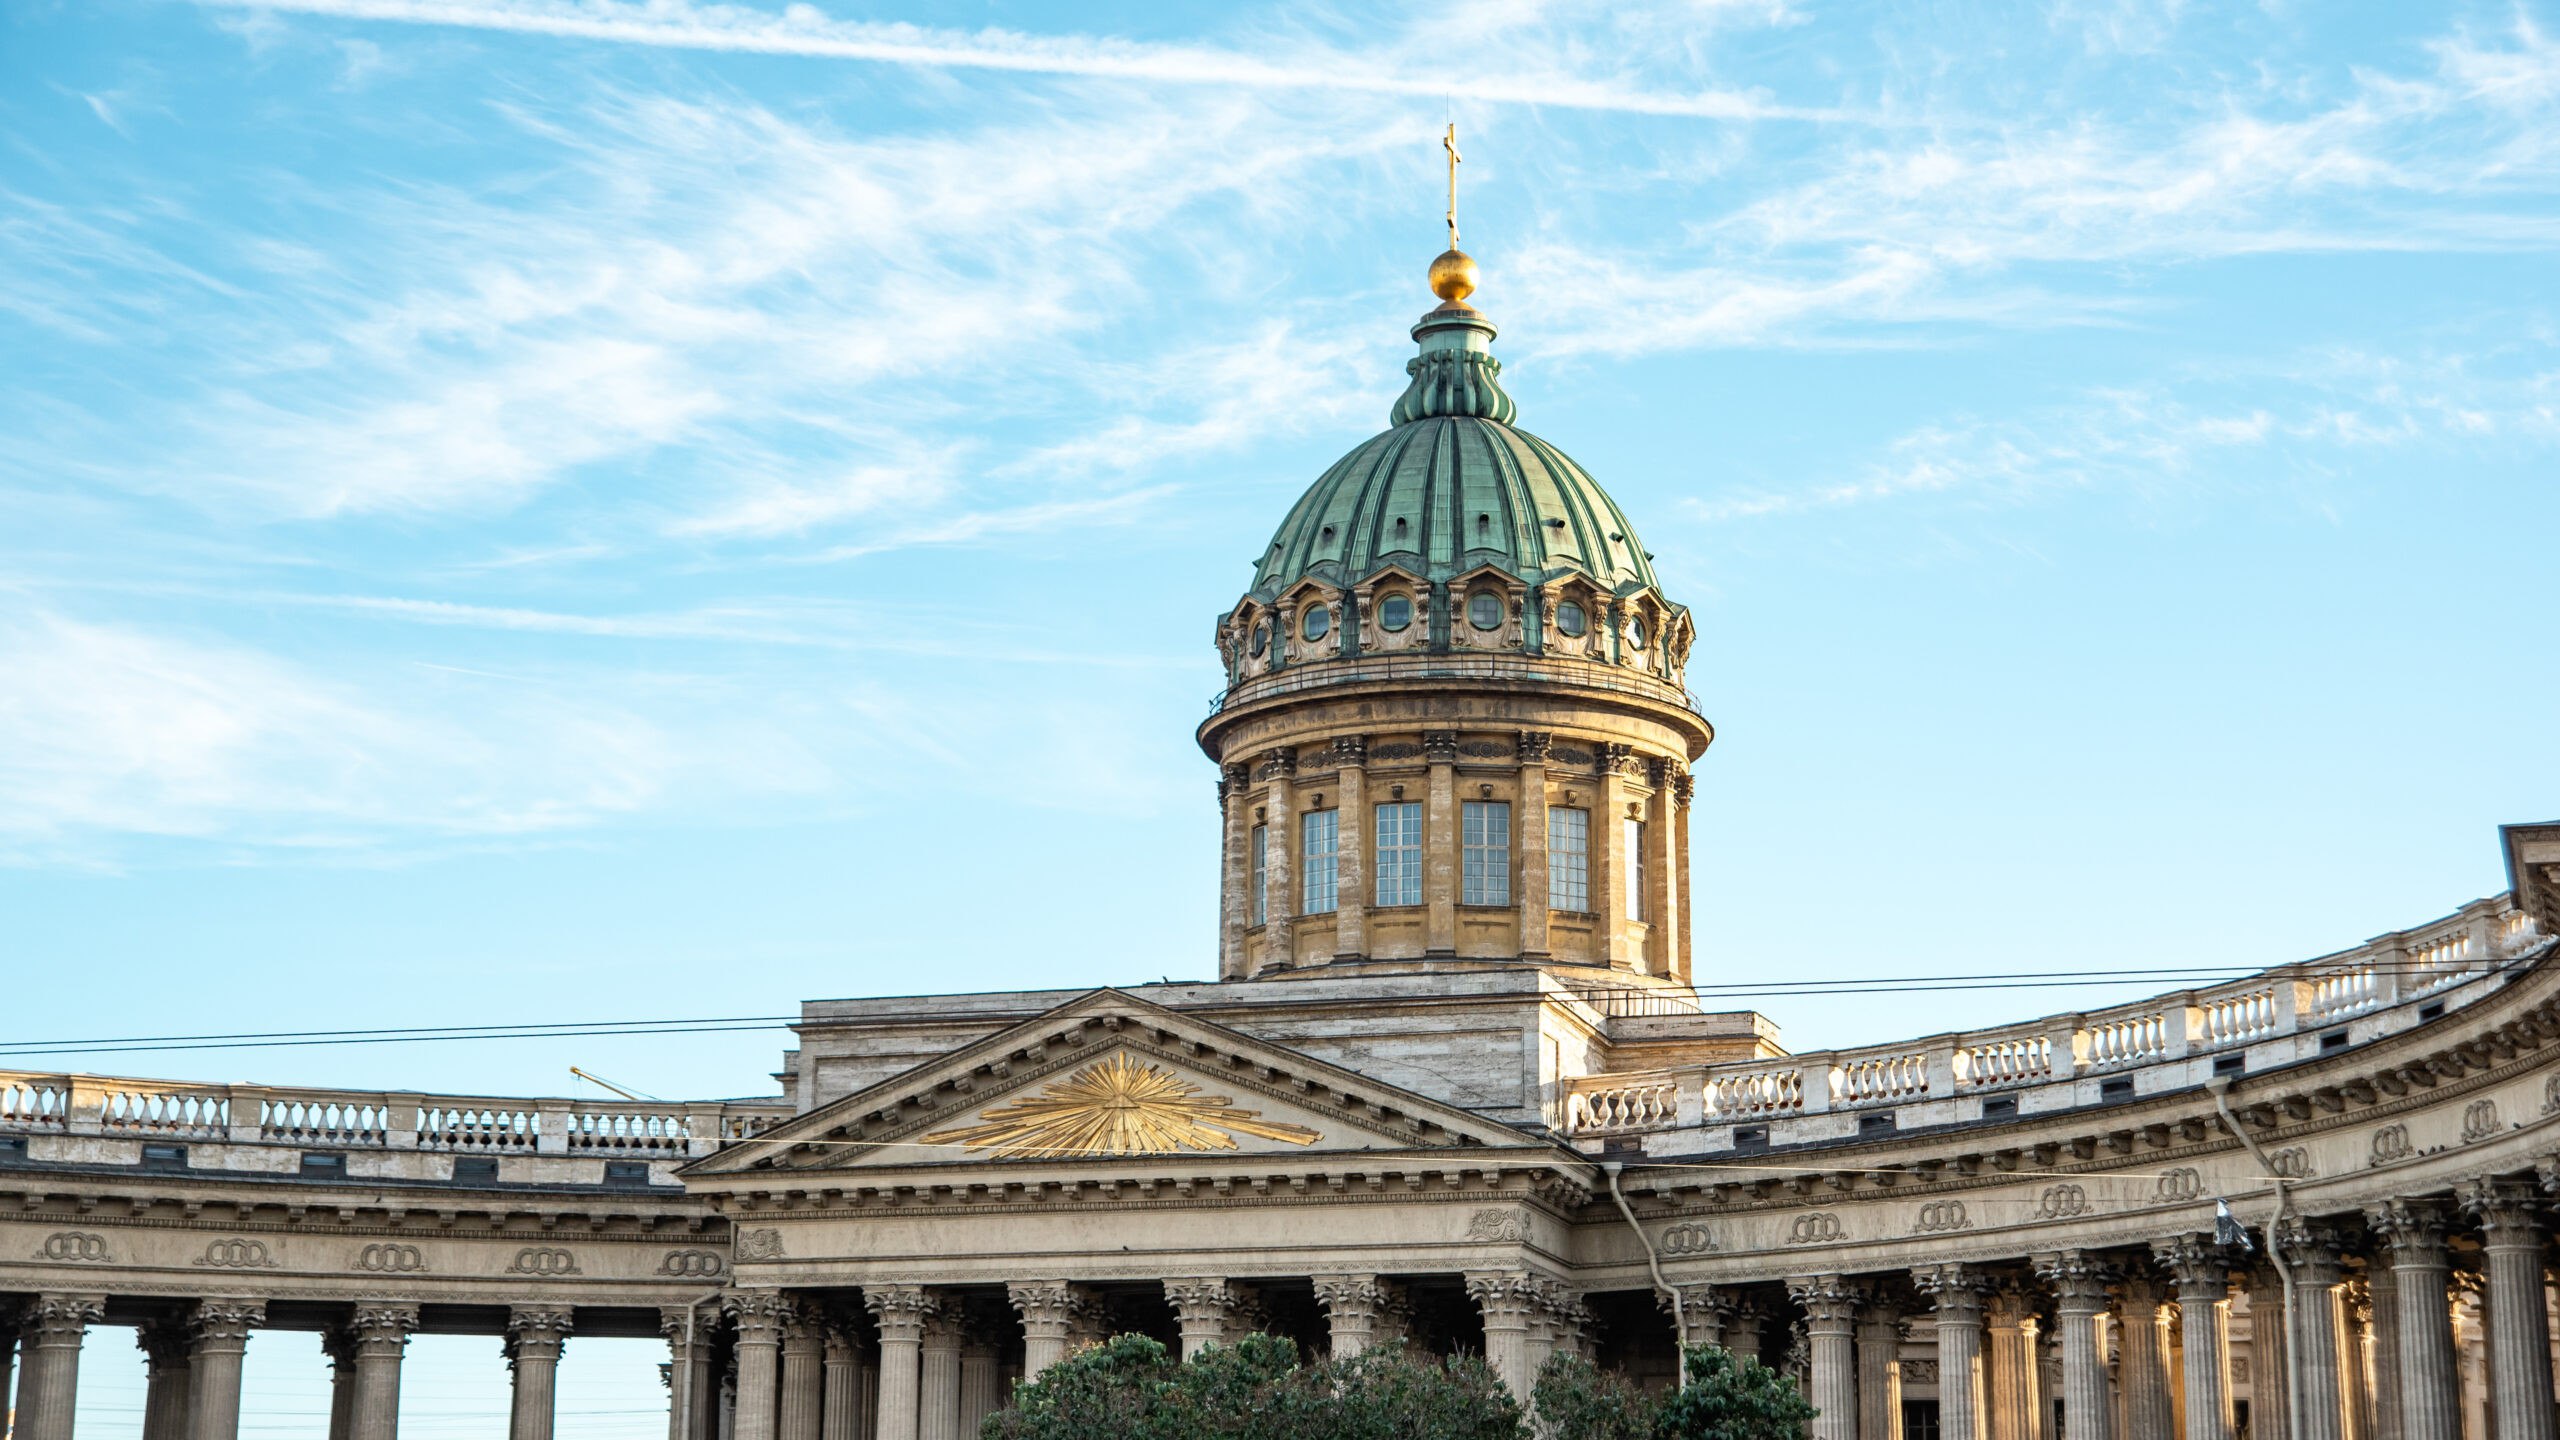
2270	1356
2203	1279
1351	1305
1830	1316
2355	1357
1205	1309
1661	887
803	1389
2315	1252
2143	1366
2471	1345
981	1385
840	1409
2012	1376
1440	844
1235	786
2507	1212
164	1398
1280	864
340	1347
1683	788
217	1342
759	1316
938	1376
1742	1327
535	1335
1351	850
1531	809
49	1372
1049	1310
1609	859
2382	1287
2079	1285
901	1312
1508	1300
1880	1371
1957	1291
693	1393
381	1334
2429	1385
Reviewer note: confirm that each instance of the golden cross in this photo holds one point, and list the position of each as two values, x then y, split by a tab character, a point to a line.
1449	142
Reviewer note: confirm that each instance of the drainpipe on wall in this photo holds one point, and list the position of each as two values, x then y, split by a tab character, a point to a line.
2220	1086
1679	1314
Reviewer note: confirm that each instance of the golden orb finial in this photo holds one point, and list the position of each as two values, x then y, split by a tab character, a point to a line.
1453	276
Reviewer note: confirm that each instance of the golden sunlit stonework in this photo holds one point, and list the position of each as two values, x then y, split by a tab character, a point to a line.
1119	1107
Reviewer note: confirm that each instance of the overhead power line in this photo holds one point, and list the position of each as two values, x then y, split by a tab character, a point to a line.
723	1024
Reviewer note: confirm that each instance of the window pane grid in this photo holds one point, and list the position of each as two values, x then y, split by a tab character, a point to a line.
1399	833
1320	840
1568	859
1486	839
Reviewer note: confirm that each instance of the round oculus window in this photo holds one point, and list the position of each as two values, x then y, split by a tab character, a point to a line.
1261	637
1484	610
1318	623
1395	612
1570	618
1635	632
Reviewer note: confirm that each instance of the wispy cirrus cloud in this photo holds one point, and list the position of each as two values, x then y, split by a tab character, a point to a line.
2314	417
804	30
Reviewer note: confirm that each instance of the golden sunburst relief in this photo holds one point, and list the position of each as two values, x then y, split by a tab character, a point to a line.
1118	1107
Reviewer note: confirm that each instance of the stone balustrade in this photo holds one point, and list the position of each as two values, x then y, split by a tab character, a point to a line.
2290	1013
74	1117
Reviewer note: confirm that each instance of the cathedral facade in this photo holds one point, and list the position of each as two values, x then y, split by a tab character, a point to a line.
1451	1088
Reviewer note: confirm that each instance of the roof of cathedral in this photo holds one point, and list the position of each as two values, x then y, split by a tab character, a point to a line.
1452	484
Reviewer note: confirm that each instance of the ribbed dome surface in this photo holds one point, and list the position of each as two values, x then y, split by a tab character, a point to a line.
1443	494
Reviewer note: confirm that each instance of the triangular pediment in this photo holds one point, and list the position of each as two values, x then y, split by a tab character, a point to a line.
1110	1077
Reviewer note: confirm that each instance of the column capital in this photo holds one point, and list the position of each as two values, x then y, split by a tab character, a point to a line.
1440	747
1534	745
902	1311
221	1322
163	1343
1281	764
2507	1209
1684	787
382	1328
1511	1296
2314	1249
1957	1290
2077	1279
1828	1300
946	1328
1349	750
537	1329
60	1319
1049	1303
1351	1297
1203	1296
759	1314
2200	1268
2414	1229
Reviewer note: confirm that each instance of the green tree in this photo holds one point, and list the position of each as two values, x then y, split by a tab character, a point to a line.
1724	1398
1727	1398
1575	1401
1130	1388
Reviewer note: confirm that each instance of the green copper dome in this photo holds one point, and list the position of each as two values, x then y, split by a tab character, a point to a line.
1453	486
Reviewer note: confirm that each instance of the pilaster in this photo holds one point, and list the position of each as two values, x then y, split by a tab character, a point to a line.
1440	844
1351	840
1531	834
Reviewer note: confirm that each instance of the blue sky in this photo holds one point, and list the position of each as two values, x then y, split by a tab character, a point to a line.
515	510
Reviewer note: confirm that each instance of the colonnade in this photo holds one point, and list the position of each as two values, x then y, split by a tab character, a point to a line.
926	1362
193	1360
2353	1327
